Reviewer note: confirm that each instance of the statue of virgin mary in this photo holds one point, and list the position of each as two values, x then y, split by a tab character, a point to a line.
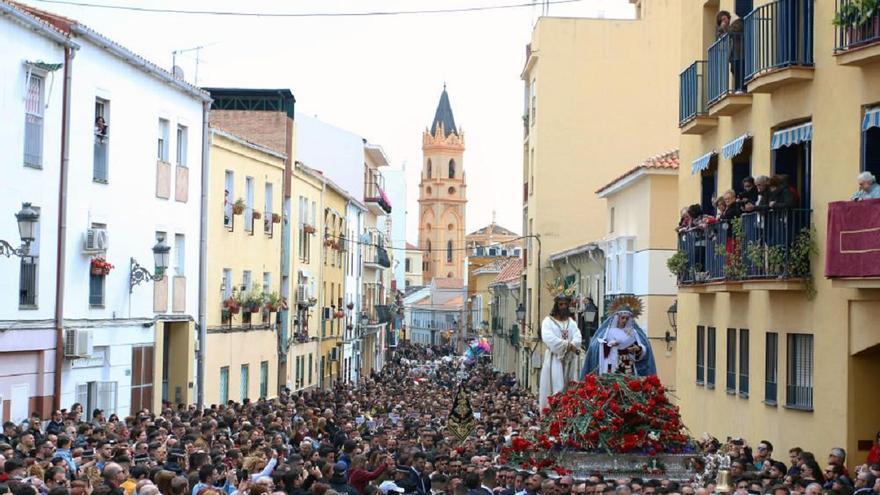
619	345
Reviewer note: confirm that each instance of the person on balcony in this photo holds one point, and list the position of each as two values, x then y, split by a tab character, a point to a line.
749	193
868	187
762	195
722	24
732	208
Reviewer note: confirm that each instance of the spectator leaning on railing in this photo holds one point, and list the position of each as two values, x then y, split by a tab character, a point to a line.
868	187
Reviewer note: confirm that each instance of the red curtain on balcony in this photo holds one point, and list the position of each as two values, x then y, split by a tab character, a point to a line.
853	243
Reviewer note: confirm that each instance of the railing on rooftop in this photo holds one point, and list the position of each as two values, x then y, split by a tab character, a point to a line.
726	66
692	101
855	27
777	35
773	244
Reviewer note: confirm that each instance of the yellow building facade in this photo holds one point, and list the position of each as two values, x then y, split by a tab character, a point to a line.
333	260
244	269
594	106
637	244
773	349
307	229
413	266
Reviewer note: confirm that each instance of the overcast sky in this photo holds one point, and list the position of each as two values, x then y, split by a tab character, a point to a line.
379	77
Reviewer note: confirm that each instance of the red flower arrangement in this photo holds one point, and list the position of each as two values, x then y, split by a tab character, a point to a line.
100	266
609	414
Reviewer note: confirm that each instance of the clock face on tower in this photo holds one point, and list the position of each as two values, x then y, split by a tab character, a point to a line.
442	201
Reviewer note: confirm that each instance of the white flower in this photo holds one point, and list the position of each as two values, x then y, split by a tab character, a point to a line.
654	436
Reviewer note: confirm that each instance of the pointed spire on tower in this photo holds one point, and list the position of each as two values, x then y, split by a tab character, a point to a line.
443	116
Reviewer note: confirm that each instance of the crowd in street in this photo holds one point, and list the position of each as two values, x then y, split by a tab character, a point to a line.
385	435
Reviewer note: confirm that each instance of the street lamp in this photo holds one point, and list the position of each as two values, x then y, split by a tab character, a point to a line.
520	312
160	258
590	310
671	337
27	225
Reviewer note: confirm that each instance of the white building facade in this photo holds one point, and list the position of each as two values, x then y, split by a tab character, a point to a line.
31	101
354	275
133	183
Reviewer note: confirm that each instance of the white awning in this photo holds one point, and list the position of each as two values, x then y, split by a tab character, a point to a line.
734	147
792	135
702	163
872	118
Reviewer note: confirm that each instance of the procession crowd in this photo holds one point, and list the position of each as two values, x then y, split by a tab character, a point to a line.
385	435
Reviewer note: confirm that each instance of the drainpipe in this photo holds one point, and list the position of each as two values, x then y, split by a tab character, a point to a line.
203	257
320	287
61	249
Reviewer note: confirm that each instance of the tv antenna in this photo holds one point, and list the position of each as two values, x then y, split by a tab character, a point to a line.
177	71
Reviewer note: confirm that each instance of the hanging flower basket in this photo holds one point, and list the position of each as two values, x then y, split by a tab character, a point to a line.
308	229
350	306
257	215
276	218
238	207
100	267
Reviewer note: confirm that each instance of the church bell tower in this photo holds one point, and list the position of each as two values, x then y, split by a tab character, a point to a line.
442	196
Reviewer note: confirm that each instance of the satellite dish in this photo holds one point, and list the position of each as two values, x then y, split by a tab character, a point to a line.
177	71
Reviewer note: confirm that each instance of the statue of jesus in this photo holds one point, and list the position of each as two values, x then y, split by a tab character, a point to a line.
562	342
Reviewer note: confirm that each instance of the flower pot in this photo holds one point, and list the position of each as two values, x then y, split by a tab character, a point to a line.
257	215
237	209
276	218
350	306
98	271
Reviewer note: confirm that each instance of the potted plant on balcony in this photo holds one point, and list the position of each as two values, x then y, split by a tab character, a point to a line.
257	215
232	304
238	207
99	266
854	16
253	302
308	229
677	264
276	218
273	302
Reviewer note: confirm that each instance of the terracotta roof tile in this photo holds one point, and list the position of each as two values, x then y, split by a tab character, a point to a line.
411	246
448	283
664	161
512	271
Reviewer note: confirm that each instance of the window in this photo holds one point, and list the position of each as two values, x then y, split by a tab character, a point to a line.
731	360
96	290
182	139
162	145
180	255
160	236
429	168
98	395
771	366
799	390
701	355
244	383
871	141
794	161
451	169
224	384
102	140
619	265
267	213
246	281
311	368
29	271
449	251
249	204
710	357
744	362
264	379
267	282
228	198
611	219
741	166
226	284
408	265
33	120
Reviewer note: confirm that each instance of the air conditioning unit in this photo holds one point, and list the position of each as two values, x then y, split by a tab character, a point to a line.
334	354
96	241
78	343
302	294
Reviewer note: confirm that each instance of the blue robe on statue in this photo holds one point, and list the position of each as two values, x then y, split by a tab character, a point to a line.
644	365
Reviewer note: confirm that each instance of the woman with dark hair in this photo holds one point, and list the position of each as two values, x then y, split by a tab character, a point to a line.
811	471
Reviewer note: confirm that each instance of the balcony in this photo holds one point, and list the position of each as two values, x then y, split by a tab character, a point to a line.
726	68
852	244
378	260
693	115
374	193
856	34
778	45
767	250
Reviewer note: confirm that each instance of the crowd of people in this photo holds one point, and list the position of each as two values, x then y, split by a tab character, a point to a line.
386	435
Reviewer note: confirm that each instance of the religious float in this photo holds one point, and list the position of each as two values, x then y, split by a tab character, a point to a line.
617	420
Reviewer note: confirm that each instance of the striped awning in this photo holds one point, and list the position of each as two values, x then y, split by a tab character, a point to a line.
872	118
792	135
734	147
702	163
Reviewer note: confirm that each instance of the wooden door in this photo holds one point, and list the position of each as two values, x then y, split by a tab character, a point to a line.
141	378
